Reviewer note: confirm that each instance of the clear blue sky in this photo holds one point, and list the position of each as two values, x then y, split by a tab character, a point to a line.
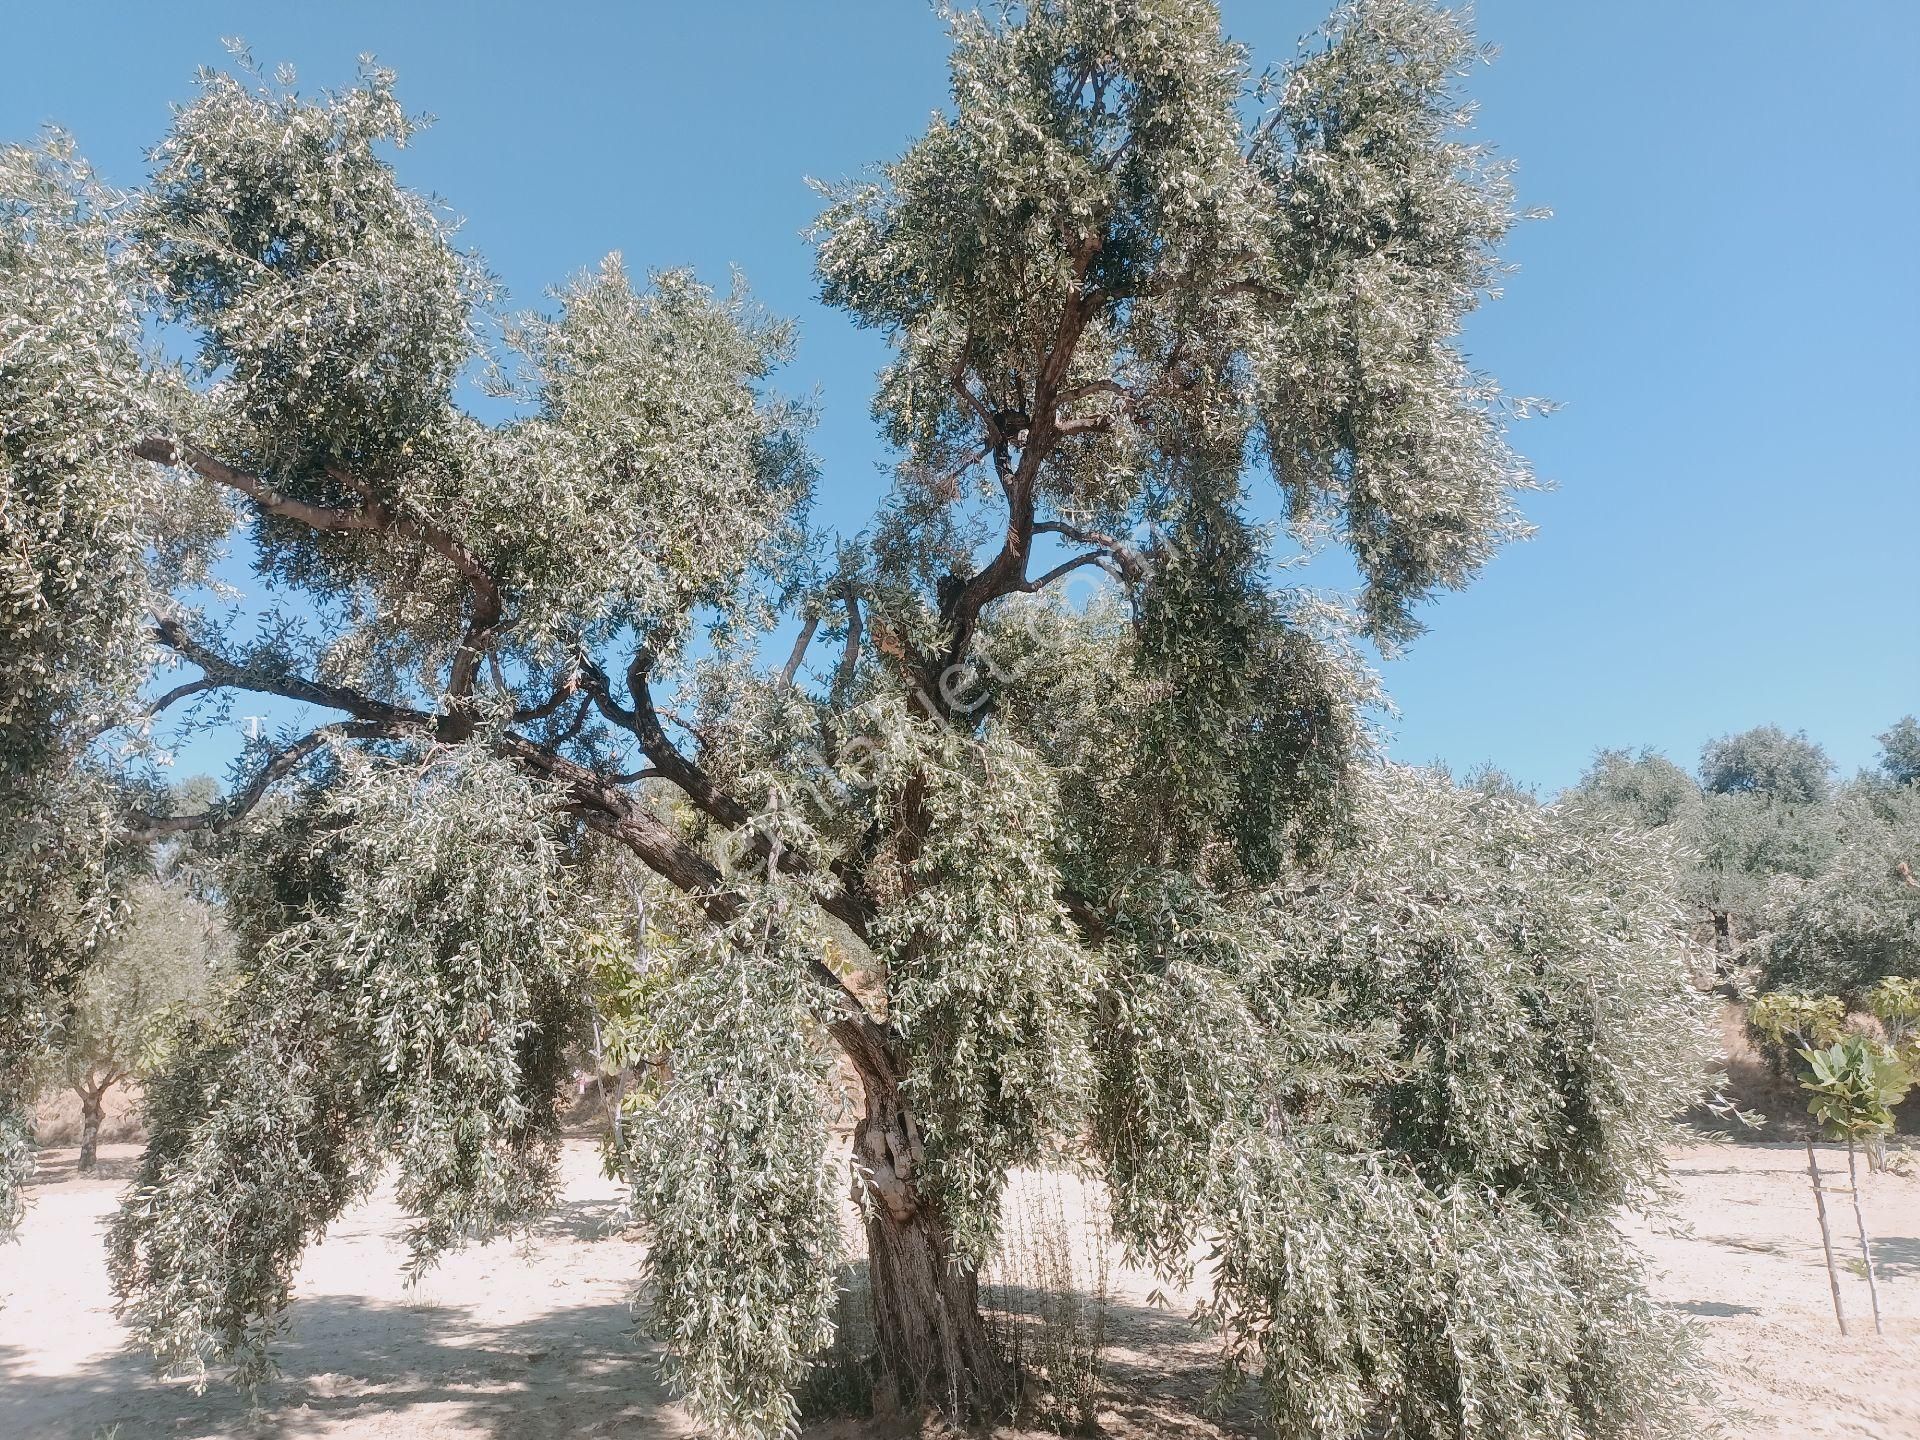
1725	303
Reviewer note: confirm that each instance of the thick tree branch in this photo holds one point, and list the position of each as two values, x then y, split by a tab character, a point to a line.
1075	393
642	721
143	827
1083	425
850	652
222	673
603	807
371	516
162	451
1006	573
799	652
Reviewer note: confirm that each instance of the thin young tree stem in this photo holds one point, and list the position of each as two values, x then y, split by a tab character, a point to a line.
1860	1224
1826	1236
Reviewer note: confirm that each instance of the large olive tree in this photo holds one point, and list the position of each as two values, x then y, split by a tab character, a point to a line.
1031	873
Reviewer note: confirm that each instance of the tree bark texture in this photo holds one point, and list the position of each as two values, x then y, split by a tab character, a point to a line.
932	1341
92	1111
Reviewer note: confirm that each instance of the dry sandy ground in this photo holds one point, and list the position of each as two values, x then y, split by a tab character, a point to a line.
536	1339
1744	1257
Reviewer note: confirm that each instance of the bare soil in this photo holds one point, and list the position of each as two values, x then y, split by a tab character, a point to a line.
536	1338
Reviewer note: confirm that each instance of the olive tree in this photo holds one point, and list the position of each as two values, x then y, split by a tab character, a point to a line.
148	978
1760	810
1813	883
1856	920
1766	761
1900	752
1029	873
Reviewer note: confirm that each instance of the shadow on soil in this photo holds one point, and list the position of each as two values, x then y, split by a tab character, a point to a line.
1715	1309
351	1364
1159	1372
1896	1257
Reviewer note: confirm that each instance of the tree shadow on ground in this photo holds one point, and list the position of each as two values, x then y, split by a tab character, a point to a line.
350	1366
583	1220
1158	1370
1711	1309
1895	1257
55	1167
1783	1249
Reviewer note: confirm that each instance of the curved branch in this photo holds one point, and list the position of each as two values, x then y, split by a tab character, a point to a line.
1125	556
1006	572
371	516
179	693
642	722
162	451
222	673
145	827
1084	425
670	764
1092	557
562	692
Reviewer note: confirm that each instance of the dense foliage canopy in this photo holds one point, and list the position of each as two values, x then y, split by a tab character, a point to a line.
1020	875
1809	884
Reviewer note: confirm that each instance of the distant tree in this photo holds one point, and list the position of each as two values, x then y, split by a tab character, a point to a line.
1767	761
1745	843
1040	875
1821	893
1900	752
1855	920
143	986
1735	835
1646	789
1490	779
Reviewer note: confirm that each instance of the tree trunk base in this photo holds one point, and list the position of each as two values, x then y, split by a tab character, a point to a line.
92	1112
934	1349
930	1338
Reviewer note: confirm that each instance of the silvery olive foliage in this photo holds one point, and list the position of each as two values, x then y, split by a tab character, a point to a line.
730	1167
986	982
1400	1121
1766	761
406	991
1021	872
1900	752
84	535
1811	883
1856	921
1755	814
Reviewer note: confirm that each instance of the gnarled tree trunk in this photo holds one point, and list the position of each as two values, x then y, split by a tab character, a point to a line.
92	1111
933	1345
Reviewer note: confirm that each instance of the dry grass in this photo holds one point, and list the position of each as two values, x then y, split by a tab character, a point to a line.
1047	1294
